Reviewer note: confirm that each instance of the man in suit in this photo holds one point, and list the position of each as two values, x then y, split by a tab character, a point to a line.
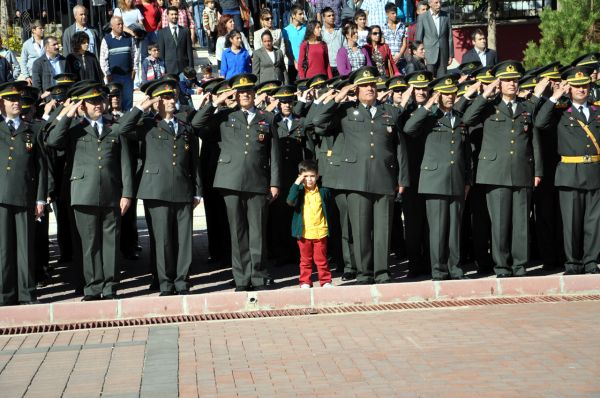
248	175
373	168
509	164
434	29
46	67
23	186
101	183
480	52
268	62
80	14
578	172
175	44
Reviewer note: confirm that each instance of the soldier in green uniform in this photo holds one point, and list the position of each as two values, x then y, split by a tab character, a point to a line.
170	184
373	167
591	61
578	172
413	204
248	175
445	174
101	183
509	164
23	190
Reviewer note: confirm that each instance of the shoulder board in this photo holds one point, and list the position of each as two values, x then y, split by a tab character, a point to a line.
560	105
597	103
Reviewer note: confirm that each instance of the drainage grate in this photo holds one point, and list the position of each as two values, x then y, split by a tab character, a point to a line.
292	312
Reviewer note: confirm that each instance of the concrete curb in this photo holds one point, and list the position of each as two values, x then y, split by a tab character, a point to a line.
210	303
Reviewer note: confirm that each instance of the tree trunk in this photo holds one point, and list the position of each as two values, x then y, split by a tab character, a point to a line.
491	25
4	19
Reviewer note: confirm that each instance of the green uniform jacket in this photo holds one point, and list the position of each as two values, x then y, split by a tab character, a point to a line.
170	165
445	169
250	160
23	171
510	147
294	148
572	141
373	158
101	171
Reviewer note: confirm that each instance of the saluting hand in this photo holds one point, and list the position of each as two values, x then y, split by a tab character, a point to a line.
148	102
561	90
406	96
72	108
344	92
491	89
472	90
540	87
223	96
432	100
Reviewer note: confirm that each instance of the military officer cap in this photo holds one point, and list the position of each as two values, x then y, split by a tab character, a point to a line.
161	87
467	68
66	78
12	88
209	85
317	81
484	74
114	89
221	87
243	82
364	75
419	79
464	86
29	96
591	60
528	81
577	76
302	84
551	71
341	84
508	70
396	83
60	92
88	91
445	84
268	87
381	86
332	82
286	93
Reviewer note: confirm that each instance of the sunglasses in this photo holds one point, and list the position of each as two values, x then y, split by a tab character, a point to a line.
267	19
376	33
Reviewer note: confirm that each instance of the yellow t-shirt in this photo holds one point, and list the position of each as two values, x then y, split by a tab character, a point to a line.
315	224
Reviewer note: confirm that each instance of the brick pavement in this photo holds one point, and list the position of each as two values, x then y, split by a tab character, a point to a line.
526	350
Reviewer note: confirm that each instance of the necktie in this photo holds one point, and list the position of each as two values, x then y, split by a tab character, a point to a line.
510	109
580	111
172	127
289	123
247	116
369	107
175	34
95	127
449	116
11	127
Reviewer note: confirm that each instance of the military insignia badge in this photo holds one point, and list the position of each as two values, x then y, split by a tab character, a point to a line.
187	147
389	129
244	80
29	146
579	75
510	68
329	153
261	137
421	78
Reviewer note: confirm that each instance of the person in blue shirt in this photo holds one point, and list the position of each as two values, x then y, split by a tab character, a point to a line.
236	59
188	85
293	35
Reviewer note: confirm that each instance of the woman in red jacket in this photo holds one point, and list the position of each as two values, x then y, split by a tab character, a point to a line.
380	53
314	58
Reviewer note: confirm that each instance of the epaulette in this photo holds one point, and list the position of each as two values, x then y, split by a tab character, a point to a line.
561	105
597	103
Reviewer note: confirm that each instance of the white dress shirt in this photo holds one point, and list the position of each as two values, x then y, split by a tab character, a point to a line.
436	21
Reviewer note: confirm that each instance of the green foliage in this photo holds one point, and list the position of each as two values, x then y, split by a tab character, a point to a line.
13	41
566	34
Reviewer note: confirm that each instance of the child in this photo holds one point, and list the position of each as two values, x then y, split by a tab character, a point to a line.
210	17
207	73
360	19
309	223
153	68
188	85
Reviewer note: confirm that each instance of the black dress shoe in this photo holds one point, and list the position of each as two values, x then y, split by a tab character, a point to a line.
30	302
593	271
110	297
348	276
232	283
261	287
243	288
503	276
169	293
153	287
269	282
461	278
385	281
363	282
183	292
89	297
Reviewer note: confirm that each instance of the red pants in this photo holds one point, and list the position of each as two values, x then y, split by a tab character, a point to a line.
314	250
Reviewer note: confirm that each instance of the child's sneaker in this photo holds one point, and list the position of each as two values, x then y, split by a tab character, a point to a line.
305	286
328	284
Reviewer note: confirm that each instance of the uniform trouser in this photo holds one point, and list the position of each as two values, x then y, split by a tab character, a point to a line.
444	217
346	232
99	229
216	224
247	214
509	212
548	225
42	250
371	220
17	273
172	231
129	232
415	230
281	244
397	245
581	228
151	239
335	242
481	228
63	228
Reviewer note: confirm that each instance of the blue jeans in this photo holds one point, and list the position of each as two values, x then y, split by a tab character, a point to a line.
277	12
127	92
198	8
